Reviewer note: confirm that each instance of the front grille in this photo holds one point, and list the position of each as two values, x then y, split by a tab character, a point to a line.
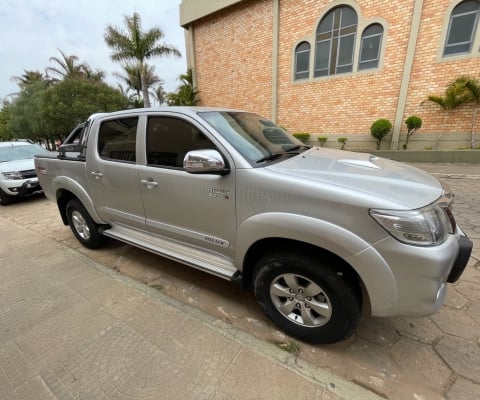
29	174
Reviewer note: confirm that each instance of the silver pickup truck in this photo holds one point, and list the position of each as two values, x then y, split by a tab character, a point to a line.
321	235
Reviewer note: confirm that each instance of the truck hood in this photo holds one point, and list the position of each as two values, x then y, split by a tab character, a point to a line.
399	183
17	165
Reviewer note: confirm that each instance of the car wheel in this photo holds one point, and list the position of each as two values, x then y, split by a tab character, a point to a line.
307	298
82	225
5	199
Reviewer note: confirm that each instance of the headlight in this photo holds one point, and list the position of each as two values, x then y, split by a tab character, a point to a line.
15	175
427	226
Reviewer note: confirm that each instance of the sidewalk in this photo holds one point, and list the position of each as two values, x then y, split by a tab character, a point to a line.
73	329
174	332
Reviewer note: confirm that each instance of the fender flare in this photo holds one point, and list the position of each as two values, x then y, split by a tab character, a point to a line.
376	275
65	183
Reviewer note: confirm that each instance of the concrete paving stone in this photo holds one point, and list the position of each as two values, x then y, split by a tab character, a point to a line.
471	274
470	290
377	330
455	299
456	323
260	381
78	324
423	330
410	389
474	312
371	366
464	389
421	363
103	362
461	355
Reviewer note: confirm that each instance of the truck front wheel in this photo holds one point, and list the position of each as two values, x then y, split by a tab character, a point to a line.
82	225
306	297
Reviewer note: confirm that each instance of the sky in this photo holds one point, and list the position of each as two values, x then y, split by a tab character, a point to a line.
32	31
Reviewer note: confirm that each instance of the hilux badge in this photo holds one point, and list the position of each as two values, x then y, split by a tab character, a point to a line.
218	193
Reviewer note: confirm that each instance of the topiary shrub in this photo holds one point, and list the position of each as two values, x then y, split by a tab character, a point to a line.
379	129
343	141
302	136
413	123
322	140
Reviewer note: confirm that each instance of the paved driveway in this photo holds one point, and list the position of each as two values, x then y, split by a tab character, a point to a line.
398	358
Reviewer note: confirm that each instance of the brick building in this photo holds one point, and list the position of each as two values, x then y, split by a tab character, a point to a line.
332	67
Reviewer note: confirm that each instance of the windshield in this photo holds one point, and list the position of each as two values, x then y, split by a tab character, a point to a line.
255	138
20	152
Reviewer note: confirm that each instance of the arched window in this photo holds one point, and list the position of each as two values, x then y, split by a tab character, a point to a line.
302	60
461	28
370	47
335	42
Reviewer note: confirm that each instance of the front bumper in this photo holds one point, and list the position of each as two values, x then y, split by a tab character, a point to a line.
464	252
412	281
28	187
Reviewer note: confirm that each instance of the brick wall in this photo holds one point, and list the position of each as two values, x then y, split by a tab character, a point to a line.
233	57
233	60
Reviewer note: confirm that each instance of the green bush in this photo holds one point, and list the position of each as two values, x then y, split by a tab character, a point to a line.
322	140
343	141
302	136
379	129
413	124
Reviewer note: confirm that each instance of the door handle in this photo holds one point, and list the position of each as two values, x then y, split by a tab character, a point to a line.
96	174
149	182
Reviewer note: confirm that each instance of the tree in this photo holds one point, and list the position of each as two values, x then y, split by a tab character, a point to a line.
66	67
413	123
137	45
160	94
473	86
28	78
71	101
26	113
455	95
132	78
5	116
379	129
186	94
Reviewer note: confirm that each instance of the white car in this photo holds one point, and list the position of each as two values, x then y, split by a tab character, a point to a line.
17	171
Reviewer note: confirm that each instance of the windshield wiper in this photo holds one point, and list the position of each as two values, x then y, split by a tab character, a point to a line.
290	152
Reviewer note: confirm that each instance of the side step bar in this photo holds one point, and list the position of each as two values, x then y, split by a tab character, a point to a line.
194	257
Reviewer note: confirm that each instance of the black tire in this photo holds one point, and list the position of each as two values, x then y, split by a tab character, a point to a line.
5	199
306	297
83	226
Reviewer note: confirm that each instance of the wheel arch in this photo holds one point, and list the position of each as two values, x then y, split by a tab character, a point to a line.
67	189
355	257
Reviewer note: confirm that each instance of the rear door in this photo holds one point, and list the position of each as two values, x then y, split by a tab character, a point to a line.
112	172
198	210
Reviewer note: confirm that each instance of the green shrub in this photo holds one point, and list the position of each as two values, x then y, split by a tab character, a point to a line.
302	136
379	129
322	140
343	141
413	124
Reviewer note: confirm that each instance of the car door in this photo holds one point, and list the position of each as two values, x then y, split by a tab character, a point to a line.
198	210
112	173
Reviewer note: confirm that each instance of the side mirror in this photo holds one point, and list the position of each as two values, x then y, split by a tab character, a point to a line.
205	162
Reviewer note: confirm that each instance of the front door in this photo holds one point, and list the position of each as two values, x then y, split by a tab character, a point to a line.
194	209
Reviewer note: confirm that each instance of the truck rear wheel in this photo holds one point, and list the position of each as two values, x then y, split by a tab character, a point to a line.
306	297
82	225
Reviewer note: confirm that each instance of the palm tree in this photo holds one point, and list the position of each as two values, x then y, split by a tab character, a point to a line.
473	86
160	94
137	45
133	79
455	95
28	78
186	94
66	67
